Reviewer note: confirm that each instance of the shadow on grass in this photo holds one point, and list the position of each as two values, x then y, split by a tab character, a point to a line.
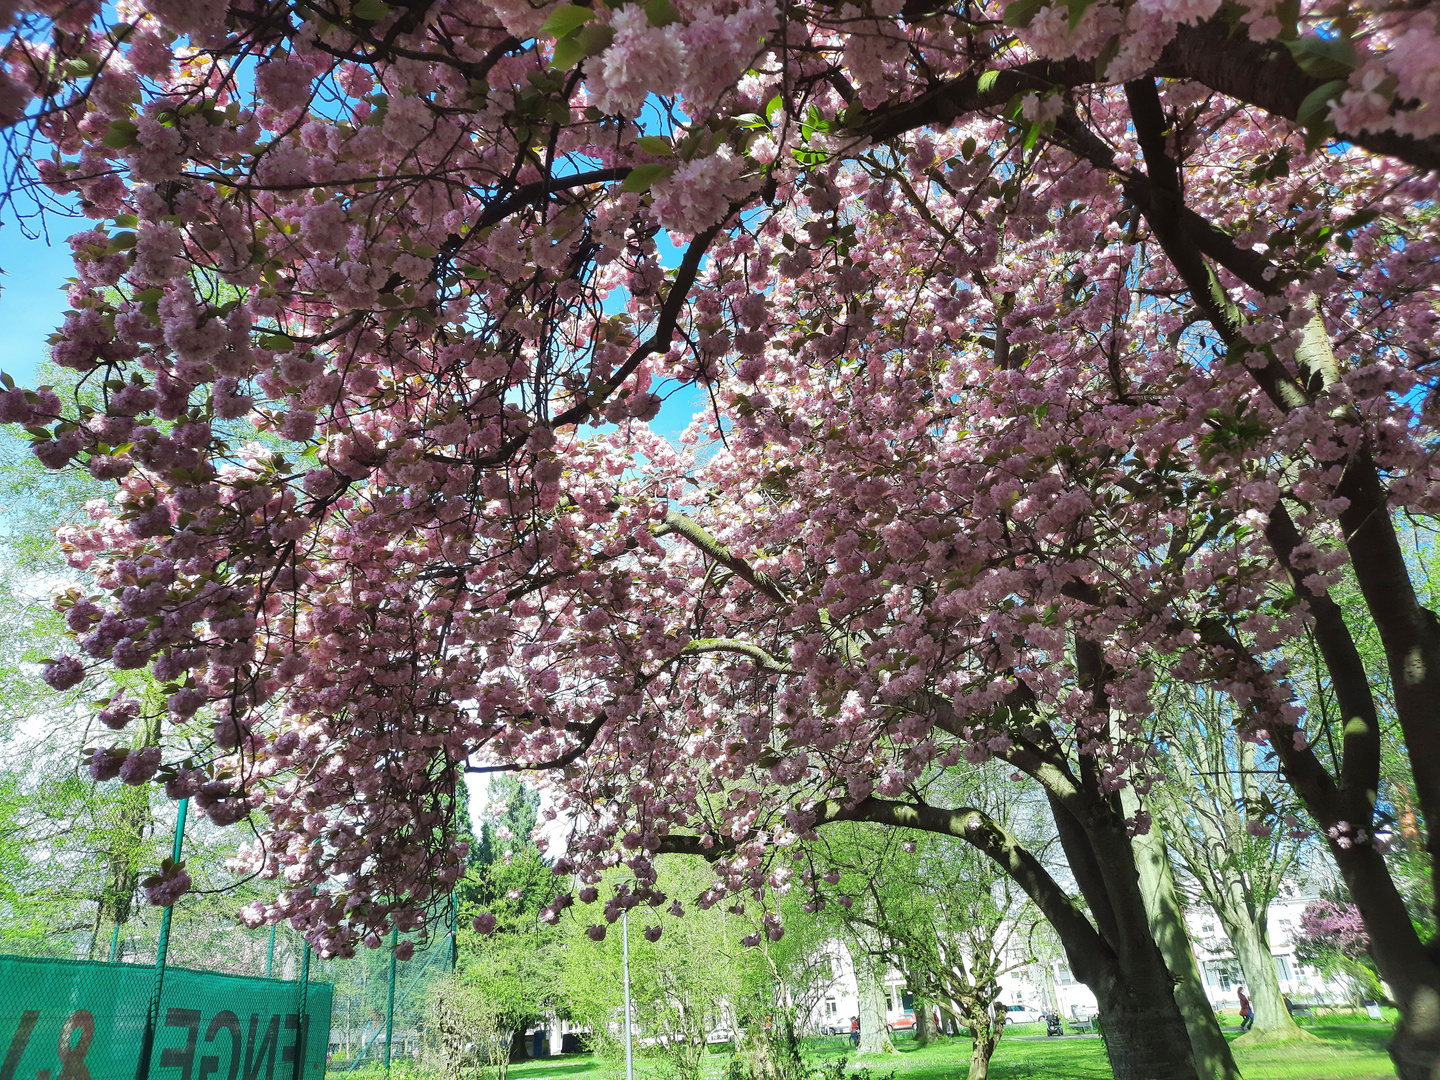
1348	1050
565	1065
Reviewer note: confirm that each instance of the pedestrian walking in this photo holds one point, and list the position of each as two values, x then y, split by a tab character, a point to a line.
1247	1013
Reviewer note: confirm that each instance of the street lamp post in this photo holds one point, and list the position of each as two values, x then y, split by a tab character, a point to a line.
625	968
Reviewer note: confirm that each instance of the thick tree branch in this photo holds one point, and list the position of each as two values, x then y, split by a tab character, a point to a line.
1360	762
678	523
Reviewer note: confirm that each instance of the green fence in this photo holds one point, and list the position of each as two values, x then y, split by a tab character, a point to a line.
86	1020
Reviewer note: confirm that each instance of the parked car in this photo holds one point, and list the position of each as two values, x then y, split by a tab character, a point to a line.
1023	1014
904	1022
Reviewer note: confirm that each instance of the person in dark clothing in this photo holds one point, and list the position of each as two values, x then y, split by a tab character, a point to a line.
1247	1012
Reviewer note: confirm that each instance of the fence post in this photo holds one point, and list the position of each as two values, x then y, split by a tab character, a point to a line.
114	942
270	956
303	1020
390	1007
454	945
152	1015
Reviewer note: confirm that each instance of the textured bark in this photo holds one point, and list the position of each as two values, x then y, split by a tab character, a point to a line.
1213	1058
1145	1033
923	1026
874	1038
1273	1022
982	1048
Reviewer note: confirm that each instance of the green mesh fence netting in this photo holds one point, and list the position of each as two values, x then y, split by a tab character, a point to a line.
85	1020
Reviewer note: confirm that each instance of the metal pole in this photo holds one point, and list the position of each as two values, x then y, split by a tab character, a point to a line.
152	1016
270	956
114	942
454	945
304	1014
404	997
390	1008
625	963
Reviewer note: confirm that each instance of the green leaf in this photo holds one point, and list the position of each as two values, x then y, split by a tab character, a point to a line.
661	12
1324	58
597	38
967	148
751	120
1077	10
565	20
121	241
1022	12
373	10
569	51
1316	106
642	176
986	82
773	106
655	144
122	133
1357	220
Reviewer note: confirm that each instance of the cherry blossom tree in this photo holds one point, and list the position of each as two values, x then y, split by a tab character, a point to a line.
1048	346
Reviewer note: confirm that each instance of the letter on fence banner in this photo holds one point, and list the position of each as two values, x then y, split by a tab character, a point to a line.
272	1038
84	1020
184	1060
224	1021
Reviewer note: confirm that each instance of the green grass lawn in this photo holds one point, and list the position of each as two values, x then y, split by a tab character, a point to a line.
1349	1049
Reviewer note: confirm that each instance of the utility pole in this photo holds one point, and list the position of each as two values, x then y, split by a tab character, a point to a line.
625	967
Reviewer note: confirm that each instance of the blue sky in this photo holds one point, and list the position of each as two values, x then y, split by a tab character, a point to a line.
32	298
32	302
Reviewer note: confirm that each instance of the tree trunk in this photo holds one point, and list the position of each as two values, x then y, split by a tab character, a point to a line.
127	827
874	1038
1115	955
1213	1058
1273	1022
1145	1033
922	1021
983	1040
518	1050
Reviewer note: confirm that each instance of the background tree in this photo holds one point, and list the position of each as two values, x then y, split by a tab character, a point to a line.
686	973
515	963
940	912
1219	803
1332	938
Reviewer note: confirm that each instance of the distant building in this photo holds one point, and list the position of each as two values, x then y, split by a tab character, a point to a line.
838	999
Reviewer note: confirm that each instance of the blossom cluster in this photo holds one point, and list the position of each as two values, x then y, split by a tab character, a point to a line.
377	319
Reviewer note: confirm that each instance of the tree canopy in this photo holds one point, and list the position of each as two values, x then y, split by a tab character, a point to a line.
1048	348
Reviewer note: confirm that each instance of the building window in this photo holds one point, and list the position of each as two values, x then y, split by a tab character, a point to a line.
1282	967
829	1006
1224	975
1063	975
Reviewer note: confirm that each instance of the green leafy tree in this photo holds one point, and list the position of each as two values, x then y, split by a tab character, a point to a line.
514	966
937	910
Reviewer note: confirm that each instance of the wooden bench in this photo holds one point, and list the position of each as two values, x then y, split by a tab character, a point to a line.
1302	1011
